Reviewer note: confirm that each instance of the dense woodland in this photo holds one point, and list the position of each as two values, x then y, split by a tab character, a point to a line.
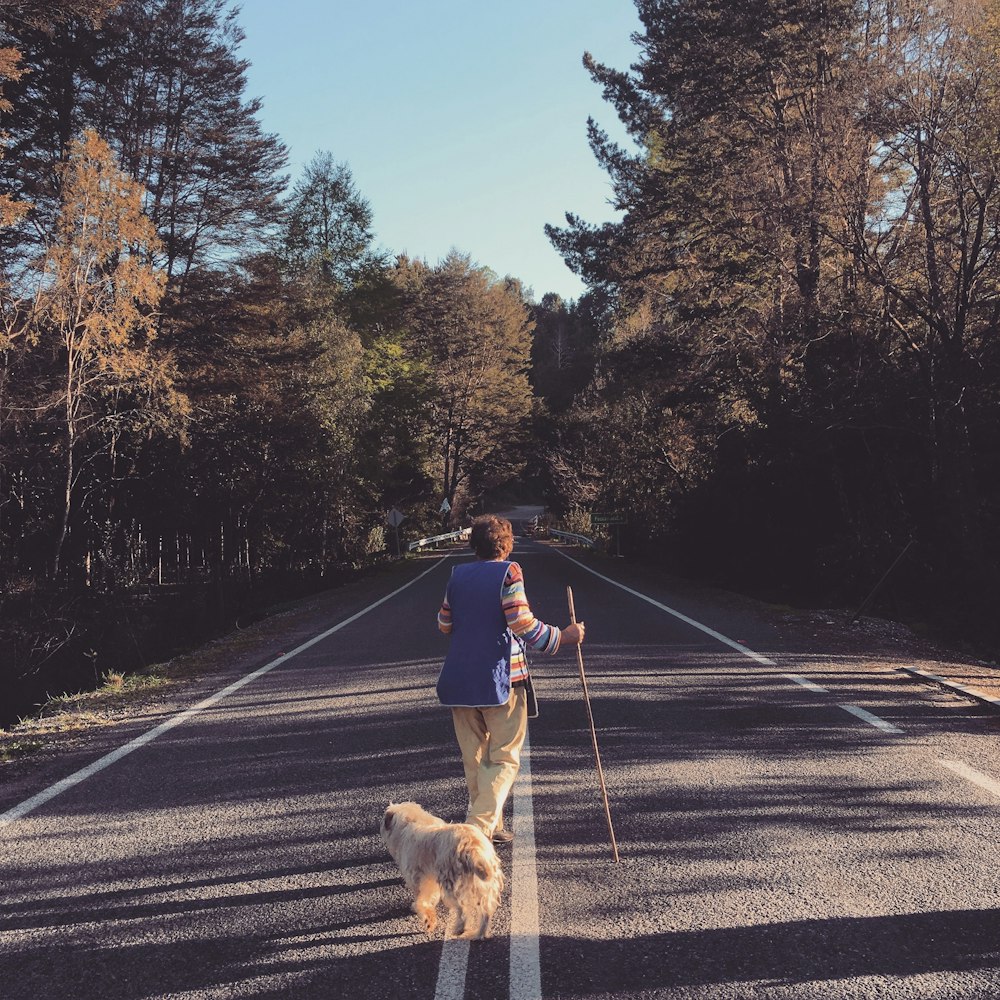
213	384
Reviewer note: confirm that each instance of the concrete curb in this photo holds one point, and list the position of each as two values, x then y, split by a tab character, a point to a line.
951	685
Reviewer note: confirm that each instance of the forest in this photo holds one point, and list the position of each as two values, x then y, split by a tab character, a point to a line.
213	384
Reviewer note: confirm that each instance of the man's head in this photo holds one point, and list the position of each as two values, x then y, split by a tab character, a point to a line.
492	537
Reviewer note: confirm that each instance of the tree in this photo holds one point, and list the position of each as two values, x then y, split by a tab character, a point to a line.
474	334
562	349
807	260
929	242
97	301
328	231
42	13
163	83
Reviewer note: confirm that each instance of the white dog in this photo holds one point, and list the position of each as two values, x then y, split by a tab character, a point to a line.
450	861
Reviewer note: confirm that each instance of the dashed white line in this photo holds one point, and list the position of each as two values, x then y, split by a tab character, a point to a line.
971	774
725	640
29	805
871	719
859	713
806	683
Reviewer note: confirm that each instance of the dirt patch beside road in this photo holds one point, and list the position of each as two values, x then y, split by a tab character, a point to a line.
885	645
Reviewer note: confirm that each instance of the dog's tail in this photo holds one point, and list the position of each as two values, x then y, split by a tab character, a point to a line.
477	856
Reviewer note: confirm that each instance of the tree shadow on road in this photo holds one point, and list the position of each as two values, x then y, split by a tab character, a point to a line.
777	954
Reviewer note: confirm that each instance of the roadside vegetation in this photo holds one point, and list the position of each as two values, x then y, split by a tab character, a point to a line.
214	385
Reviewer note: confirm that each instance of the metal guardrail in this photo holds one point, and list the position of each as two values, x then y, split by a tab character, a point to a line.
465	532
434	539
572	536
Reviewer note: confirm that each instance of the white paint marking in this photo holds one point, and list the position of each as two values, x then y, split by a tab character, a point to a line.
961	688
971	774
872	720
725	640
452	969
525	961
806	683
29	805
860	713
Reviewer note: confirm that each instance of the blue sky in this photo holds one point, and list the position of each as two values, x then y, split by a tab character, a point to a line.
463	123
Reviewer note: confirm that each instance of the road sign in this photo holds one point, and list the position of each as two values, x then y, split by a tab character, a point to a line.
611	518
395	517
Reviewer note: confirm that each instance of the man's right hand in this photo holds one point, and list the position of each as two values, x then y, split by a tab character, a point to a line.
572	635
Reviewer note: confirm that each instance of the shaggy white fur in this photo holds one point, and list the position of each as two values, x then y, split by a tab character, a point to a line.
450	862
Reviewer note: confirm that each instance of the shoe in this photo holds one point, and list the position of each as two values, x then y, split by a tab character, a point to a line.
502	836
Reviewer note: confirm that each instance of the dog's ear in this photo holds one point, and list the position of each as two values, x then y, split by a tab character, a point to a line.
387	819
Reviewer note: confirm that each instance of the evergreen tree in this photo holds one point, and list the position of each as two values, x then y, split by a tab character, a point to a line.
327	230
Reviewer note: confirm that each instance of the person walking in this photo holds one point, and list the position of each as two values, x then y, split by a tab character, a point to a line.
484	679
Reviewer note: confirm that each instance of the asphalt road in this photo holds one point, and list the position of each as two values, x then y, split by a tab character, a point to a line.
789	825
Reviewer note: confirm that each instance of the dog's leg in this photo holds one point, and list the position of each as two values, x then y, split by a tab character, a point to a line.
454	906
472	913
476	920
425	905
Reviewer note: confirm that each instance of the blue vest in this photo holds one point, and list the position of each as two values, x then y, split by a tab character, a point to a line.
476	671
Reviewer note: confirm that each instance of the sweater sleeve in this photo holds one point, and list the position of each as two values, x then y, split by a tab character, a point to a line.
520	620
444	616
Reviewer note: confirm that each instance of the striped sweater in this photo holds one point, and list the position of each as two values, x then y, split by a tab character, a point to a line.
526	627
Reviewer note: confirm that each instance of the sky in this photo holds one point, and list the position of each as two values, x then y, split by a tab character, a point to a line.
464	123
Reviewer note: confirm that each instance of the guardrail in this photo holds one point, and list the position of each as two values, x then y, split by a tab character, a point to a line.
434	539
572	536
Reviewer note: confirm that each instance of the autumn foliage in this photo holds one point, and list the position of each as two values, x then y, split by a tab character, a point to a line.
213	384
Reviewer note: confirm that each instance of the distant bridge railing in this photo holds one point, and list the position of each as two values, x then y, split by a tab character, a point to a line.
451	536
571	536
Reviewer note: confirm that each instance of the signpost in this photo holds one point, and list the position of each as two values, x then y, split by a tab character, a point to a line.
394	519
616	518
613	518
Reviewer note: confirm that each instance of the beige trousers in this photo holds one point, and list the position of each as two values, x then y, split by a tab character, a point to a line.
490	740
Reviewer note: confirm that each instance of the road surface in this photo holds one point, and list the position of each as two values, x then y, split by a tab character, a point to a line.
790	825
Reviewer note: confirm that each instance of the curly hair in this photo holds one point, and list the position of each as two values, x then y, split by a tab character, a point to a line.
492	536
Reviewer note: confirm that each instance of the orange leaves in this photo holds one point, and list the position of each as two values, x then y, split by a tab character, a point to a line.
100	289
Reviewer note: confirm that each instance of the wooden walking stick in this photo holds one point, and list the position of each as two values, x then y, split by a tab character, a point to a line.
593	731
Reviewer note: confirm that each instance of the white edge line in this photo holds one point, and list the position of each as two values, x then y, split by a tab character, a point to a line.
871	719
29	805
525	961
971	774
806	683
725	640
954	686
860	713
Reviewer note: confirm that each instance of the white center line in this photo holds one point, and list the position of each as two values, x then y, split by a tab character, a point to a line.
452	969
29	805
525	962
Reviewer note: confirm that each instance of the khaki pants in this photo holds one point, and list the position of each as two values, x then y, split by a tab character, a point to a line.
490	740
